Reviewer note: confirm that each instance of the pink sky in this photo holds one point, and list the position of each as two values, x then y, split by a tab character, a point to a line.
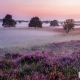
44	9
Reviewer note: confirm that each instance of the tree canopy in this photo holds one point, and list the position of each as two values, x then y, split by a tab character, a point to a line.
54	23
8	21
35	22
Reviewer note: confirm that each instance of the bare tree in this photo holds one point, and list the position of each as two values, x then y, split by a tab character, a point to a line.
68	25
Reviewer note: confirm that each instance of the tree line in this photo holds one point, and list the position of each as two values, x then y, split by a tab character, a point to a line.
36	22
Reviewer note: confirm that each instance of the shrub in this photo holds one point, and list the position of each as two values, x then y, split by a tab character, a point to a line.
5	64
30	59
12	55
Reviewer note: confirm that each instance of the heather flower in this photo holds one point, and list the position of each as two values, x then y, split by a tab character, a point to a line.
12	55
44	65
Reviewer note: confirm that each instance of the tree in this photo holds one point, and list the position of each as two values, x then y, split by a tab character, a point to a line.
68	25
8	21
54	23
35	22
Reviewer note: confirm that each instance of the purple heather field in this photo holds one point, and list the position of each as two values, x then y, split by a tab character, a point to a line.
48	53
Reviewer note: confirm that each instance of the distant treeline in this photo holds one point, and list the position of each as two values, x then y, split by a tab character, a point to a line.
36	22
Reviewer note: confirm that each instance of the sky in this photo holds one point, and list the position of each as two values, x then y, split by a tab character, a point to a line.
44	9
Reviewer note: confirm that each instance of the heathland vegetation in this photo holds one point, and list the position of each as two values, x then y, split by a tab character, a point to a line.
56	61
44	65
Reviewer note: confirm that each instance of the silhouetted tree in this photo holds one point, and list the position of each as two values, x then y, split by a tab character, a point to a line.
35	22
54	23
8	21
68	25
